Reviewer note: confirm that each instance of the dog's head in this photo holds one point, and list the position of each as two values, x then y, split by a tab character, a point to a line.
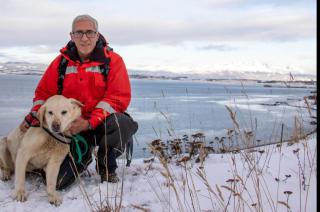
58	112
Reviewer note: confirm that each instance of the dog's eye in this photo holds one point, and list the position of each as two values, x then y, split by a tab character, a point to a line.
50	113
64	112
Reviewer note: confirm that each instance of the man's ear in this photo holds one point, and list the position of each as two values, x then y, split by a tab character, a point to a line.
71	37
41	113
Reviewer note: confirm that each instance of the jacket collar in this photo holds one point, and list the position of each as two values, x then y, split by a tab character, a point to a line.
97	55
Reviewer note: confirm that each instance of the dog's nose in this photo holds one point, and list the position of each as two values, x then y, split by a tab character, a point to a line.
55	126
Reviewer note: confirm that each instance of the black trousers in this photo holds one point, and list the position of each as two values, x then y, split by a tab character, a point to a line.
111	137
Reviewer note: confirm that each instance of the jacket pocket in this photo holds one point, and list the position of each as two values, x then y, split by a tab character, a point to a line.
99	84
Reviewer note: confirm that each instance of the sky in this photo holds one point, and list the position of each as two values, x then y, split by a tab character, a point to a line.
180	36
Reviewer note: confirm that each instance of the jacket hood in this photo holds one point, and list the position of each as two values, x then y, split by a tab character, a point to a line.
97	55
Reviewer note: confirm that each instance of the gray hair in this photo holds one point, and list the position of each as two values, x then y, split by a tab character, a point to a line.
85	18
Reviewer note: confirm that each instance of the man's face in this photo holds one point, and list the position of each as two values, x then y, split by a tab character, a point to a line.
85	36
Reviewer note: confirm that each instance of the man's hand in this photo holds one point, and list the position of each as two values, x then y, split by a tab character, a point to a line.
24	126
30	120
79	125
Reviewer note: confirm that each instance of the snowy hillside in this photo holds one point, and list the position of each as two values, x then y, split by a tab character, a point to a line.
22	68
251	71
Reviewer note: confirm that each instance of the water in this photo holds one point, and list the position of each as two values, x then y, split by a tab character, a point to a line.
171	109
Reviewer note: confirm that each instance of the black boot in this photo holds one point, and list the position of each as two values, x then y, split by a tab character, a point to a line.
110	177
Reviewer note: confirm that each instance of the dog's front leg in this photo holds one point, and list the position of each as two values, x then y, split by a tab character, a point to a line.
52	171
20	174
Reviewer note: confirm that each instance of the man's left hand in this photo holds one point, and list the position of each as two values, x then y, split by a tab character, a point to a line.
79	125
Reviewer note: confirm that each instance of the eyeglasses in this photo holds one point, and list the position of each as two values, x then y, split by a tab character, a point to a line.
89	34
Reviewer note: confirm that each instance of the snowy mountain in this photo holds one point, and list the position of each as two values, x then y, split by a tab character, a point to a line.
24	68
255	72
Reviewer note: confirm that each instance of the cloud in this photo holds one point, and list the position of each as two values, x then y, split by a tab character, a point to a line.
245	3
180	33
250	27
34	54
217	47
22	23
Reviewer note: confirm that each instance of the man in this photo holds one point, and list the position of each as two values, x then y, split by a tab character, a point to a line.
97	77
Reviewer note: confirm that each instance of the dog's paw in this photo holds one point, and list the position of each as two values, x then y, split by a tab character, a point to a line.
20	195
5	175
55	199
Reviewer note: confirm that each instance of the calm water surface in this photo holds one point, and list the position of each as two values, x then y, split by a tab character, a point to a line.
171	109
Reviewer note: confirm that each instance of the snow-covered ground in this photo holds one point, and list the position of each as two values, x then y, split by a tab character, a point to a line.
247	181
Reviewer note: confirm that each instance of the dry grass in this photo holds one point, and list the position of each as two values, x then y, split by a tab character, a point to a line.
248	188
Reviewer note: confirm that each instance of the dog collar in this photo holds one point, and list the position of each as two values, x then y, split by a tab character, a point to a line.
59	136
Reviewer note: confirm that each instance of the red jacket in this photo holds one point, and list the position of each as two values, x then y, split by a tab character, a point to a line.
84	82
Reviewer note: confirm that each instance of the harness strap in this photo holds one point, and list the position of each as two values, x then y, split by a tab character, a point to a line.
62	72
59	136
105	68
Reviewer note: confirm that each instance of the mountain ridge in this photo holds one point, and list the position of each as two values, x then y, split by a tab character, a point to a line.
26	68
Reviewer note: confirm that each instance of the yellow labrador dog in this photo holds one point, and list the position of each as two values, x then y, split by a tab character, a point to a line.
36	149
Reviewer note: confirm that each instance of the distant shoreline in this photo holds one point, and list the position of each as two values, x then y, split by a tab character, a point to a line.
264	83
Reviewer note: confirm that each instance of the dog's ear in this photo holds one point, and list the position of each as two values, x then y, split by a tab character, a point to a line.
41	113
75	102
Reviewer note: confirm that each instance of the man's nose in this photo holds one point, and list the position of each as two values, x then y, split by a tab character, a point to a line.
84	37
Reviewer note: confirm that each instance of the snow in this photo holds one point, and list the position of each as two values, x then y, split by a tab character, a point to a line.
226	73
145	187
